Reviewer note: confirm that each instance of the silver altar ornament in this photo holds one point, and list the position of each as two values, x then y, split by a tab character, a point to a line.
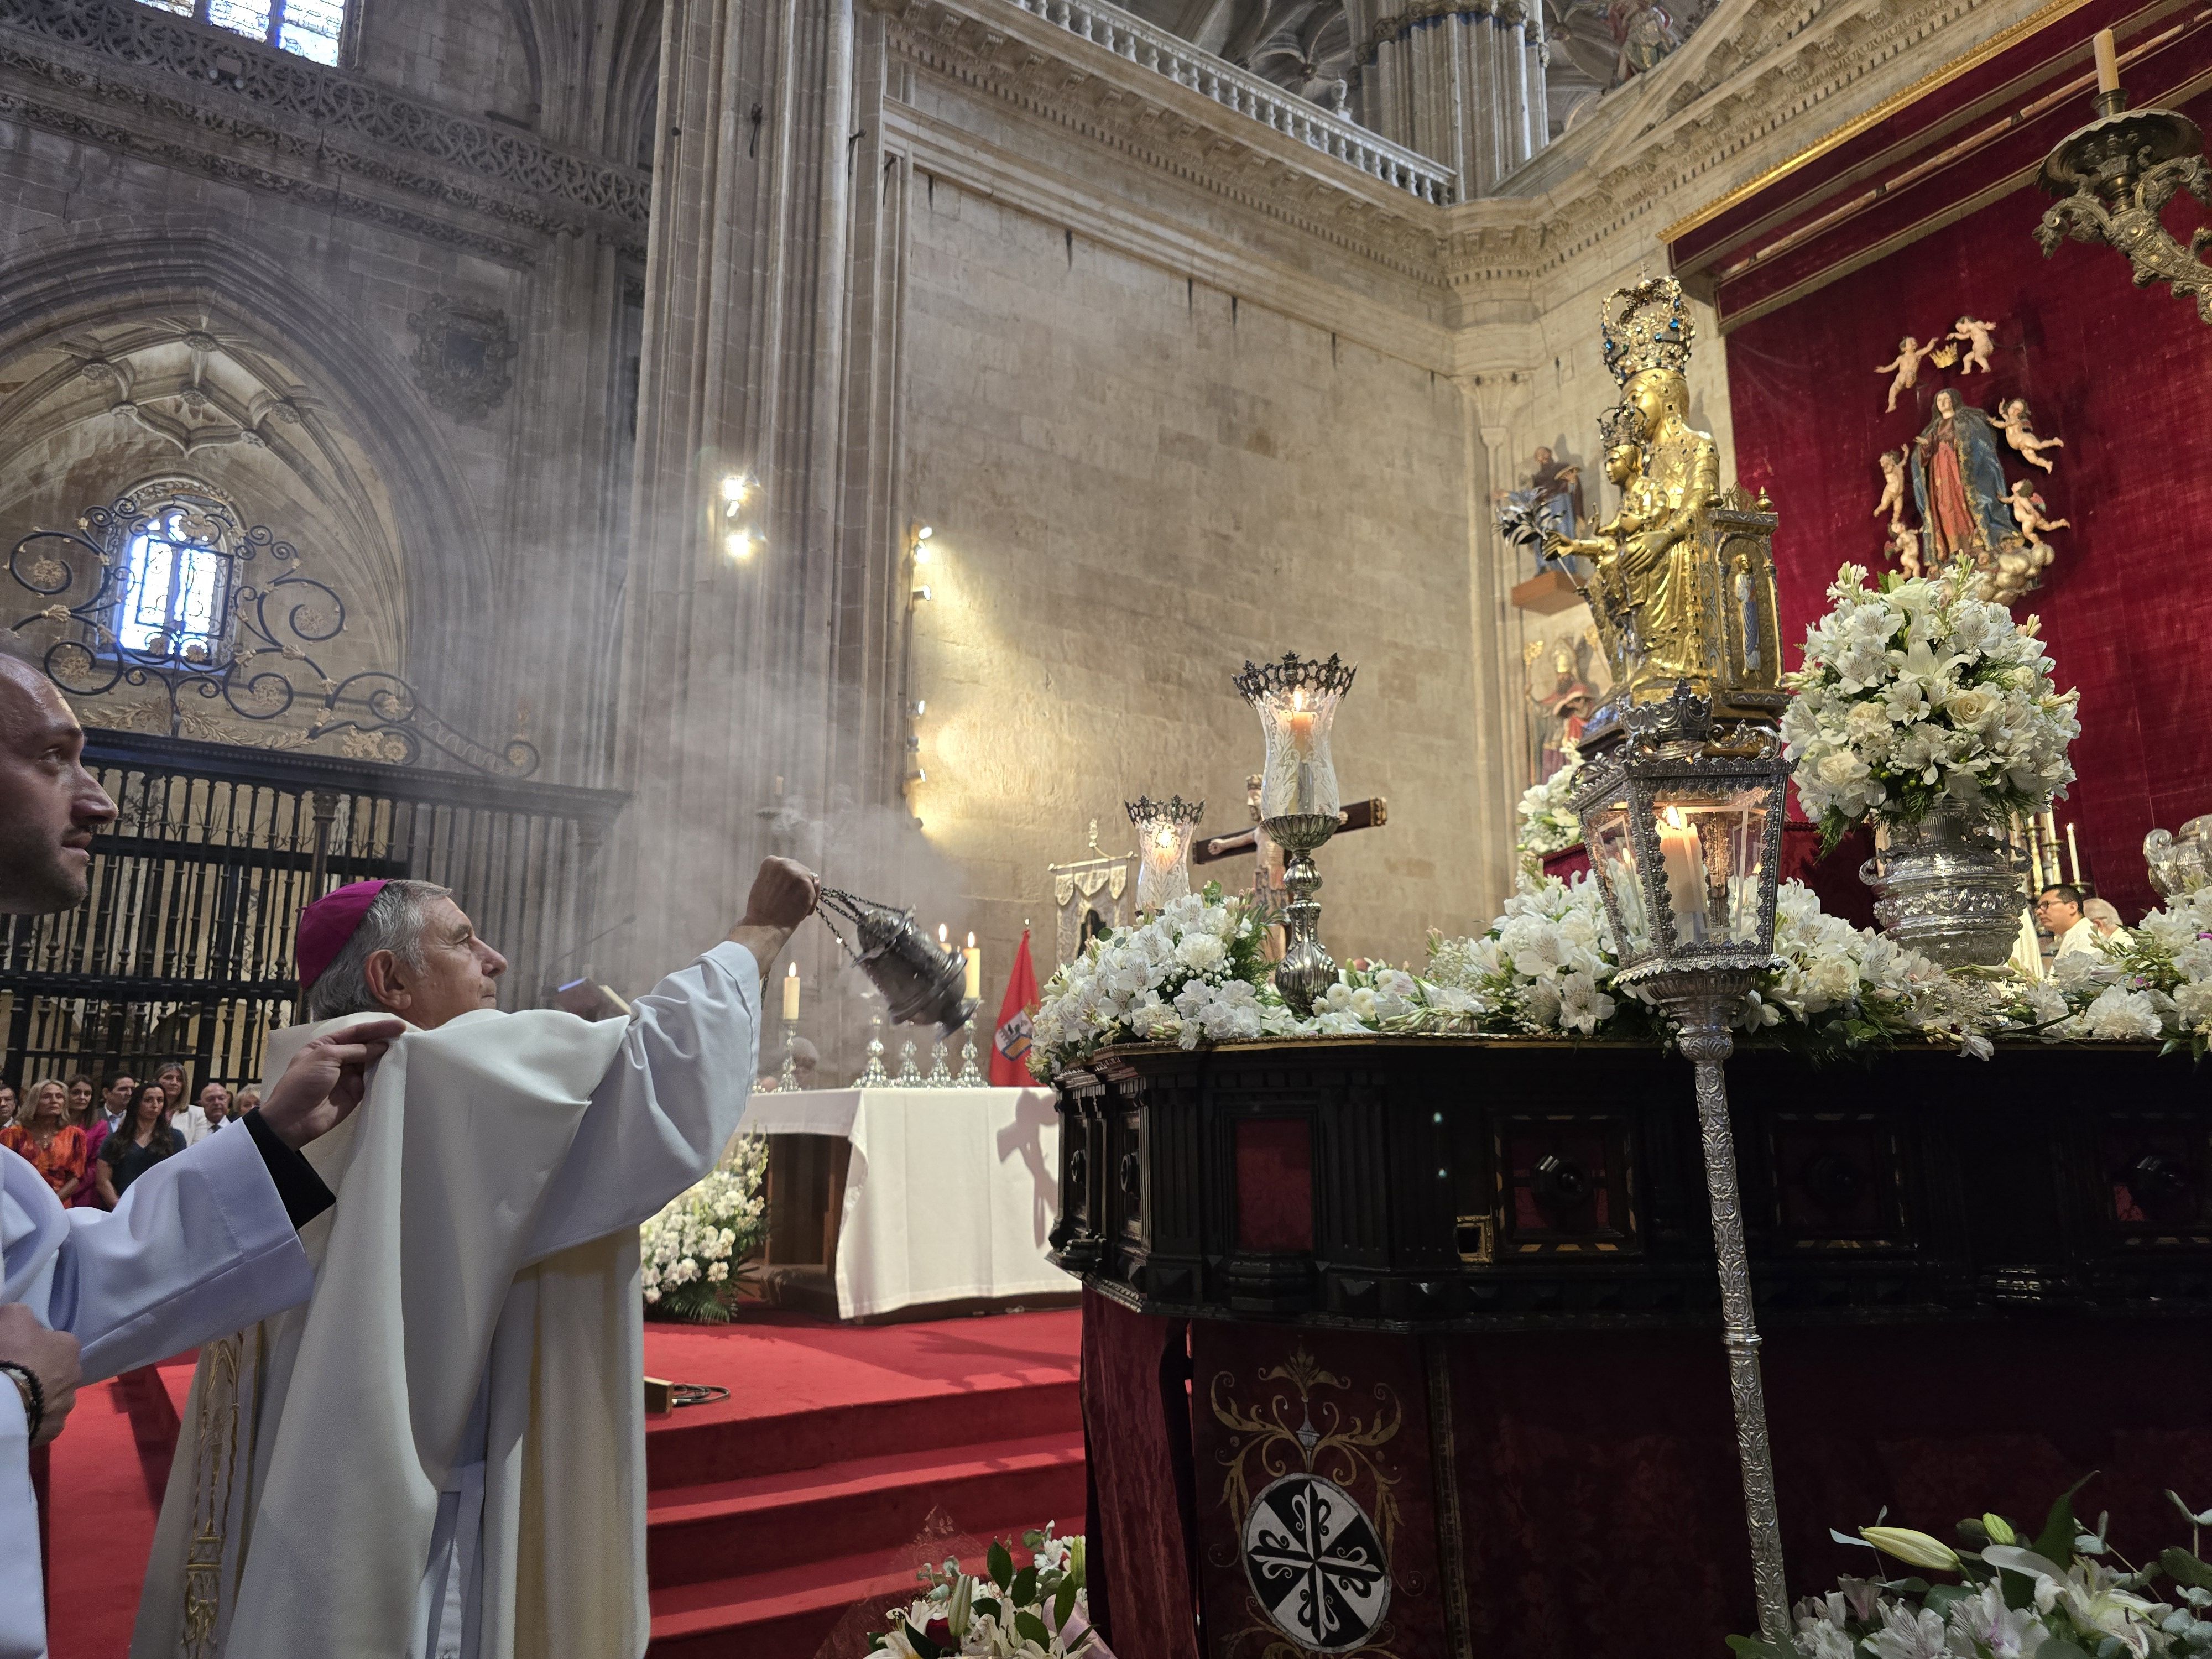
1684	827
872	1075
970	1077
910	1074
1948	887
1164	831
940	1075
1298	803
2180	864
921	983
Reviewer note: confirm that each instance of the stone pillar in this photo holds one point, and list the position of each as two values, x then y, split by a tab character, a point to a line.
1459	80
769	348
1489	401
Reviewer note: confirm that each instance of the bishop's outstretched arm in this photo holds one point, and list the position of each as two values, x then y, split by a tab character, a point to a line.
666	1107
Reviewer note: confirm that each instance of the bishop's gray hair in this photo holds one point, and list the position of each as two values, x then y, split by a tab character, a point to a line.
394	922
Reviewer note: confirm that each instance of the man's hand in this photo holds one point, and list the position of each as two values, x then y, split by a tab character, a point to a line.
326	1080
784	895
50	1356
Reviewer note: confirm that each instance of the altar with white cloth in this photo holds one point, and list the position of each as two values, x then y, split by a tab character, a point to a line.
947	1193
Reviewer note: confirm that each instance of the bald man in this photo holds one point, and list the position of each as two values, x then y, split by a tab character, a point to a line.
201	1244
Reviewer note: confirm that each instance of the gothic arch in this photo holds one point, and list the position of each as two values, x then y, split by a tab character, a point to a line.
149	271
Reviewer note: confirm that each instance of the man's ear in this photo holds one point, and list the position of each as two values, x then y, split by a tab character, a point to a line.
387	980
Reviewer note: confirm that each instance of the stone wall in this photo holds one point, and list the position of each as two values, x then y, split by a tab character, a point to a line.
1137	480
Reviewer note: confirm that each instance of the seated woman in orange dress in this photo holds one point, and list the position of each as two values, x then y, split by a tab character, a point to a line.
53	1147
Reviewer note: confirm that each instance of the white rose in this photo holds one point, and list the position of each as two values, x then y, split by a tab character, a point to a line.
1200	952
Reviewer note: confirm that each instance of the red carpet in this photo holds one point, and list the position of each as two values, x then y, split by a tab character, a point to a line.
769	1514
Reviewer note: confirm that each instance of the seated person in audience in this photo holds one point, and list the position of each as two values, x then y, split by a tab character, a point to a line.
2058	913
98	1123
248	1098
54	1146
115	1097
208	1115
145	1138
7	1105
171	1077
2105	919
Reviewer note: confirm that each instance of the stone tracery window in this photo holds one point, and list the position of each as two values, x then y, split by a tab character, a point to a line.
310	28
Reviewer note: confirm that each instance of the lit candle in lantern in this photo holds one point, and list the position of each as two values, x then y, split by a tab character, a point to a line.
1684	859
1298	726
974	954
2108	61
791	993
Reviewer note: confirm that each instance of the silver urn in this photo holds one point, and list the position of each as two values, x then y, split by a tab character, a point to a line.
1946	887
2180	863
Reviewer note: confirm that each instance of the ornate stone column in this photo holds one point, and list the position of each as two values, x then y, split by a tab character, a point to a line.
769	348
1459	80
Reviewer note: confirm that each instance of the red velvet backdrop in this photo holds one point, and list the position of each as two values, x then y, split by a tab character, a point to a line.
2124	376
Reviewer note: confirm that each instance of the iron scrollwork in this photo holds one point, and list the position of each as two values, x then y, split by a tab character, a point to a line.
258	663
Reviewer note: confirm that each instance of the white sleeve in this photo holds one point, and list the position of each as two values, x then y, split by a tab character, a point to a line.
666	1107
22	1592
199	1247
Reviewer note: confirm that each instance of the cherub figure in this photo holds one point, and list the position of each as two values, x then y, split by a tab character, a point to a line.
1978	339
2020	432
1892	488
2028	512
1911	353
1905	548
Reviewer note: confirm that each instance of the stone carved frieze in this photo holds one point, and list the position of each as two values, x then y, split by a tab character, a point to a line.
130	55
1664	144
461	357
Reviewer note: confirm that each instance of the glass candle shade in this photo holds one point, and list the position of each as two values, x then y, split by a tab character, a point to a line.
1684	847
1165	829
1297	702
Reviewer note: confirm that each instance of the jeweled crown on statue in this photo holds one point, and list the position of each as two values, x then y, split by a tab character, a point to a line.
1681	586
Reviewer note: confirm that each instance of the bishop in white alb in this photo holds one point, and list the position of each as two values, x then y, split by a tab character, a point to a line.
441	1455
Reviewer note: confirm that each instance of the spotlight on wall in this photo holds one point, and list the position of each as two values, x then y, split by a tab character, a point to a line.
917	542
920	707
737	488
741	545
921	592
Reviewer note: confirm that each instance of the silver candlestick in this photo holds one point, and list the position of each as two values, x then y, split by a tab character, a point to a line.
787	1080
970	1077
940	1076
910	1074
1306	971
872	1076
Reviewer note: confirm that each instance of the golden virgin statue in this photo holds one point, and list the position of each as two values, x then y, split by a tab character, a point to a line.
1682	578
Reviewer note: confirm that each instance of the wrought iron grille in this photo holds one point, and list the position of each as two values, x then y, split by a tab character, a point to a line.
183	950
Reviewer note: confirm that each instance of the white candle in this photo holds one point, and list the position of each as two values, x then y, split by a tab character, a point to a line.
2108	61
2073	855
1684	860
791	993
975	956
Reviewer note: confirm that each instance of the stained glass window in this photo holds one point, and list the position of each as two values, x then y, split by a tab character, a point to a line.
175	587
307	28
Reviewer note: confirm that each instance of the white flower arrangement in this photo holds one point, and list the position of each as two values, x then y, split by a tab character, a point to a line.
1197	971
2065	1591
2155	987
1914	695
1548	823
1546	969
1038	1611
694	1250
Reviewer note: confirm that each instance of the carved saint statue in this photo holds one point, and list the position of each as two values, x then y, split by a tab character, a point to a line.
1958	485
